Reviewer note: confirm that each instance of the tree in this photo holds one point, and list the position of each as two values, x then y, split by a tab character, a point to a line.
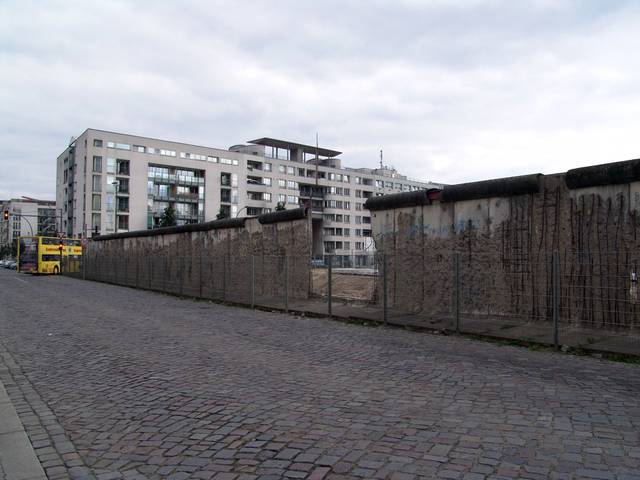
168	218
280	206
222	213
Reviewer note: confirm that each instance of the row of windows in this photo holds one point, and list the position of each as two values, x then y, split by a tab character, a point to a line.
289	170
330	246
338	191
337	217
166	152
344	232
290	199
339	204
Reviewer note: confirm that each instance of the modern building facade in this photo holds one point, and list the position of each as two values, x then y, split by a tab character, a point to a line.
112	182
28	216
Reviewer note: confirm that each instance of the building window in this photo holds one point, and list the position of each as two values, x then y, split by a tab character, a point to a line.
291	171
123	185
225	195
97	142
266	196
96	203
267	167
282	198
266	181
97	183
97	164
123	222
123	204
282	183
120	146
111	165
292	185
95	221
122	167
292	199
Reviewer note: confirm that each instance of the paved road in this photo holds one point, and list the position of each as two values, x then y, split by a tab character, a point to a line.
111	383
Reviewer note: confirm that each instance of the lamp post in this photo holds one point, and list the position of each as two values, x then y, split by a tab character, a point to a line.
238	213
115	184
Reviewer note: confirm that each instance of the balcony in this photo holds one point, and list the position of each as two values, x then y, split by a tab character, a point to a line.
307	191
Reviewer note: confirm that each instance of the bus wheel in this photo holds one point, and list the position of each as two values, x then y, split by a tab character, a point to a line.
56	270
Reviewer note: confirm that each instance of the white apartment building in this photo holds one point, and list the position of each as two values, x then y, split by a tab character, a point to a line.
27	216
113	182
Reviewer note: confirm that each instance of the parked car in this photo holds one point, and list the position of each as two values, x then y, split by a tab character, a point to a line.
3	263
12	265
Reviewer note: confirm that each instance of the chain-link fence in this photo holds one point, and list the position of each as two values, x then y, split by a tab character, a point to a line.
267	281
565	299
557	298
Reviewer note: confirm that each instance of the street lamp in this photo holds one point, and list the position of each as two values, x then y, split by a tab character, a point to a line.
238	212
116	184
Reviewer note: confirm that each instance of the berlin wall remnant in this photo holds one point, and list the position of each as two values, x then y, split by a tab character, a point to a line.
505	232
212	260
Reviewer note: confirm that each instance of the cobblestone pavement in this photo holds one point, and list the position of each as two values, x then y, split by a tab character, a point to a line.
112	382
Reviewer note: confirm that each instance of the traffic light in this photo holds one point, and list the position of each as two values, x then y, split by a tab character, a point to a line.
5	215
60	247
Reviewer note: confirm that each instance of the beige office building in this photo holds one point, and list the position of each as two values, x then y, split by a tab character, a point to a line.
112	182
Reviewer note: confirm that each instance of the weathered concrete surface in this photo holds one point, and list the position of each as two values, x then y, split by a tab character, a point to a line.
505	246
210	264
133	384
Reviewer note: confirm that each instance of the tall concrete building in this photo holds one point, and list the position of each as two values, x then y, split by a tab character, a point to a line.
28	216
113	182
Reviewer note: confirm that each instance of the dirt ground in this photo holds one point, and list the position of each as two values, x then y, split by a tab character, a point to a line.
347	285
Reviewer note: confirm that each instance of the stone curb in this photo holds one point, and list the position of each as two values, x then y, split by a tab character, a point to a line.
18	460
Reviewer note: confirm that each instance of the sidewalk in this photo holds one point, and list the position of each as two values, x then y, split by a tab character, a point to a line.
18	461
591	340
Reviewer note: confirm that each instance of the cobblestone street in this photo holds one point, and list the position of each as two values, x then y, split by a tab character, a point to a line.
111	382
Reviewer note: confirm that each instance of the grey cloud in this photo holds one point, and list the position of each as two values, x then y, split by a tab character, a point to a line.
451	91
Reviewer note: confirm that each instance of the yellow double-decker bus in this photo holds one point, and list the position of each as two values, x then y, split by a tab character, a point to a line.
43	254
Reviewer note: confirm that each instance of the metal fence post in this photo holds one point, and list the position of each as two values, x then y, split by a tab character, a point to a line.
330	285
253	281
181	270
150	273
385	299
456	290
224	278
286	284
555	286
200	275
83	259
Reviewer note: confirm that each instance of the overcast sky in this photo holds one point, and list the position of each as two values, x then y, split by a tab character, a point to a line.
452	91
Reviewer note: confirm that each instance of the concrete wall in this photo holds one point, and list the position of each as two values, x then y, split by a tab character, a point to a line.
210	262
505	245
